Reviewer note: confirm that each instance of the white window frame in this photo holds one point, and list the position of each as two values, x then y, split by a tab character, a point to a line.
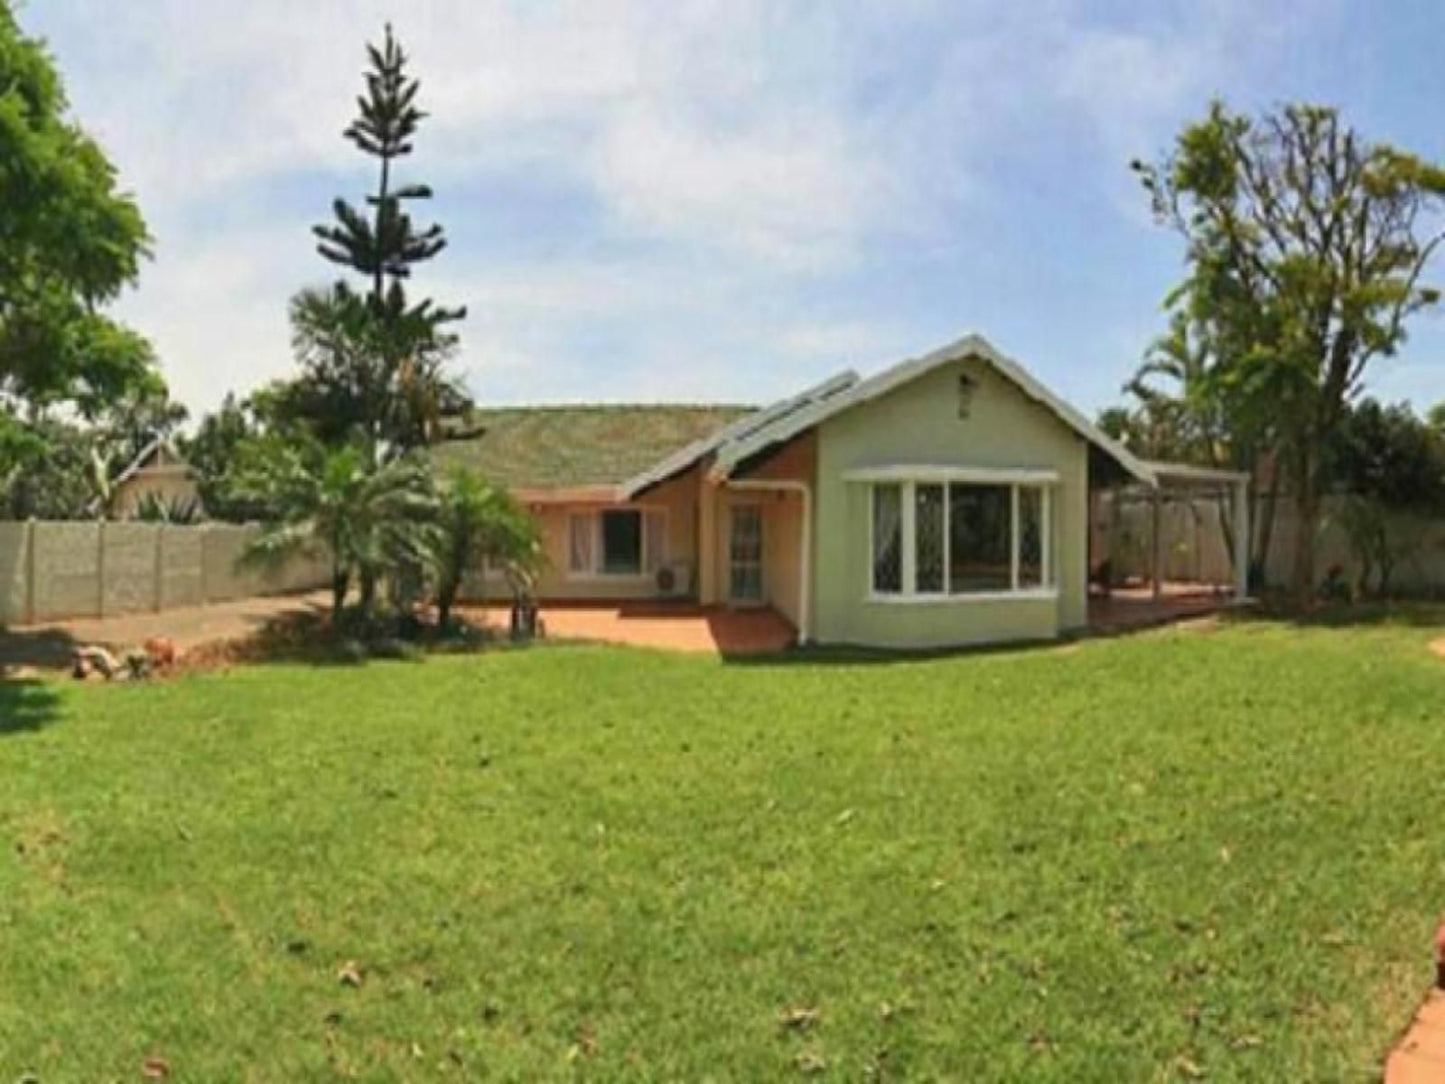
1014	480
594	518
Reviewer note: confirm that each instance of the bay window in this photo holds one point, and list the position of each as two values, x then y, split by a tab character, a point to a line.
887	539
935	537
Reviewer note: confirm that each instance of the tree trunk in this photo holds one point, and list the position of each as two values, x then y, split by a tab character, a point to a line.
340	580
1265	519
1307	515
446	596
1384	557
367	599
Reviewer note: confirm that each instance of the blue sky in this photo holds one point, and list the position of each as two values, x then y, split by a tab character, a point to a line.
700	201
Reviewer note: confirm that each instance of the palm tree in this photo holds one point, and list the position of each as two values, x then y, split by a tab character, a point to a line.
479	522
334	503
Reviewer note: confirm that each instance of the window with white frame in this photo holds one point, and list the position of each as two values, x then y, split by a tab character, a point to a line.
942	538
616	541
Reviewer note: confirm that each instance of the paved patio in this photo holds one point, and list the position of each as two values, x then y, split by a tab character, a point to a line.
1126	608
670	626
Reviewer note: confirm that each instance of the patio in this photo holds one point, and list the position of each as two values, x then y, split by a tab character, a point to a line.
1138	607
669	626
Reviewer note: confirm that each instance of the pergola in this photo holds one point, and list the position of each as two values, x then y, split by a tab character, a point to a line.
1200	481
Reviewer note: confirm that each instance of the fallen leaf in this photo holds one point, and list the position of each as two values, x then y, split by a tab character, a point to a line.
811	1063
349	974
587	1039
1192	1070
798	1019
155	1068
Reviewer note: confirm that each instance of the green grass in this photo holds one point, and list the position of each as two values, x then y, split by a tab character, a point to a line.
1141	859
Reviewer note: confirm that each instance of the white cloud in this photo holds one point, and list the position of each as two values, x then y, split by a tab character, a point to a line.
738	158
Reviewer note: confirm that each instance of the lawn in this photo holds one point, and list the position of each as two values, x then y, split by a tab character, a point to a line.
1162	857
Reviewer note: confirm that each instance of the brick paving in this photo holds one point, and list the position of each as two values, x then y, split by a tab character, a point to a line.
1419	1058
670	626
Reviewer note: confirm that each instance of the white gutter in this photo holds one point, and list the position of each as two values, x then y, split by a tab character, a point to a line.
805	572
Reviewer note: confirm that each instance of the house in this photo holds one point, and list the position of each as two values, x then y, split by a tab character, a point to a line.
943	501
160	470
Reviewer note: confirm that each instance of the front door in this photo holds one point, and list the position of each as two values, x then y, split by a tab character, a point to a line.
745	554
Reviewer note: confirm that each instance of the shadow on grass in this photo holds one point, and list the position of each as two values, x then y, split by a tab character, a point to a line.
858	655
26	706
308	638
1401	613
43	649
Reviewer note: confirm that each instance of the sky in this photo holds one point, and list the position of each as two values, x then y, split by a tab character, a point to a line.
662	200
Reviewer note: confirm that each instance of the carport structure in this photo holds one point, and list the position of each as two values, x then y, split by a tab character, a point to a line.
1135	587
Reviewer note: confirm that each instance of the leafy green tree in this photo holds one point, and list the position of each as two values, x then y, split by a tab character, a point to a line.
1388	468
375	363
481	524
218	446
333	503
45	469
70	240
1306	250
1188	410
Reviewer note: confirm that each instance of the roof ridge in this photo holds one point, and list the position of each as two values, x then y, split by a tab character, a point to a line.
540	408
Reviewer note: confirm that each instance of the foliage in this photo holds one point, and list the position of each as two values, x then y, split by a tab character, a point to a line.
1388	466
612	864
482	525
1305	255
379	375
69	242
155	507
333	503
48	470
374	363
217	447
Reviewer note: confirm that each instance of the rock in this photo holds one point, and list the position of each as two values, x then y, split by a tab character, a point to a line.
137	664
162	652
94	659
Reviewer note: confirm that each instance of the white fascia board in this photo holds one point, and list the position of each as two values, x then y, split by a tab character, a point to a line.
684	458
1189	473
946	472
969	346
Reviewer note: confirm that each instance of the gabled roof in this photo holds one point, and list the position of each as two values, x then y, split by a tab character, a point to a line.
574	447
154	456
784	428
741	429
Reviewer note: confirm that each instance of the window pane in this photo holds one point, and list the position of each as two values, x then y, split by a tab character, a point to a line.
622	542
928	537
580	543
887	538
980	521
745	553
1031	536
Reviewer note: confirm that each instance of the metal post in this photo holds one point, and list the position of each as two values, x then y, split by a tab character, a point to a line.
1241	538
30	544
1156	507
